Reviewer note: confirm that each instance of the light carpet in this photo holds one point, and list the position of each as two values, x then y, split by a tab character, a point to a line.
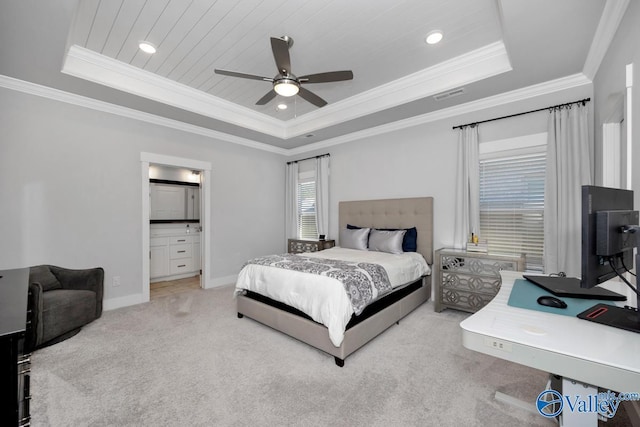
187	359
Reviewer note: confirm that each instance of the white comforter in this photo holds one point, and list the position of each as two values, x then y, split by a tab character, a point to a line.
323	298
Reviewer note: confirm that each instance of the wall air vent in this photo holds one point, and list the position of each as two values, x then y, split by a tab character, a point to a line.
445	95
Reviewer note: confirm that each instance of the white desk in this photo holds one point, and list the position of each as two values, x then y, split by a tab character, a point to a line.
567	346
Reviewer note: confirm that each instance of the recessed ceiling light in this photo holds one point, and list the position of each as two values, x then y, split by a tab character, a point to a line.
282	106
147	47
434	37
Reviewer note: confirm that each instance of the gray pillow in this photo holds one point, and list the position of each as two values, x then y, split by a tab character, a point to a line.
354	239
41	274
386	241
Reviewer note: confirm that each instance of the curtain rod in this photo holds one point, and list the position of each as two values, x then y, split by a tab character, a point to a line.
583	101
309	158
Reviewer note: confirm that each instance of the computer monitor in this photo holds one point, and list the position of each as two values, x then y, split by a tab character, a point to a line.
609	230
606	212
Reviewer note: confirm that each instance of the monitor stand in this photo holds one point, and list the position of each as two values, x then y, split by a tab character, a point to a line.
627	318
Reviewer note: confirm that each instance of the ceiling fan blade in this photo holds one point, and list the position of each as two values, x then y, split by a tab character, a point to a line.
242	75
312	97
268	97
331	76
280	50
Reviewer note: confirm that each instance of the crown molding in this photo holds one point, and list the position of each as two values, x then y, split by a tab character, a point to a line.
529	92
92	66
609	21
479	64
83	101
522	94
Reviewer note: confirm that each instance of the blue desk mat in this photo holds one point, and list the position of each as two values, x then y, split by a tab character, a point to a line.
525	295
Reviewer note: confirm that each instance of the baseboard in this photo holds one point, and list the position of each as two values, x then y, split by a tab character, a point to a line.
220	281
114	303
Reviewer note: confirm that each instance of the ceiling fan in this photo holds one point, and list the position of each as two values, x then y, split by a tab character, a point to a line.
287	84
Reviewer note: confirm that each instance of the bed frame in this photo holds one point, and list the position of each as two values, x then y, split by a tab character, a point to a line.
386	213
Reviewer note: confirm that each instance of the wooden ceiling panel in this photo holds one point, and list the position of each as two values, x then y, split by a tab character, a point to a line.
85	14
380	41
107	12
171	44
148	18
121	26
196	59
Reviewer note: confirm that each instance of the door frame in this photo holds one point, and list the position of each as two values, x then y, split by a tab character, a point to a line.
147	159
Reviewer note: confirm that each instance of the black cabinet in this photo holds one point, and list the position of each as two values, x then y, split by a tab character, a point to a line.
14	361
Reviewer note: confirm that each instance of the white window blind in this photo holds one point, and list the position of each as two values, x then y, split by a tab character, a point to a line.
307	209
512	203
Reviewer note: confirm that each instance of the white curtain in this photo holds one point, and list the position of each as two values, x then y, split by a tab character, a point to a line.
568	168
467	207
322	194
291	202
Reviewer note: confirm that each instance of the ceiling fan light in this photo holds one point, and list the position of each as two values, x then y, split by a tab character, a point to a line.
286	87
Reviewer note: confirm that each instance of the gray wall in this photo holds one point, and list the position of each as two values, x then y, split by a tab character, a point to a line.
420	161
610	81
70	182
70	191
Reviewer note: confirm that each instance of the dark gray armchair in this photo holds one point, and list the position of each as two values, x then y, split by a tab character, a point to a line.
61	302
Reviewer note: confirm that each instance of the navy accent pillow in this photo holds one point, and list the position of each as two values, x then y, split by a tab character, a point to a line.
409	242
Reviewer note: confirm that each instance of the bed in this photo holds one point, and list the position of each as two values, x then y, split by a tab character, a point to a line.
376	317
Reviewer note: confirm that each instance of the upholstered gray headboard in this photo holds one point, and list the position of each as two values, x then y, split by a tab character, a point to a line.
393	213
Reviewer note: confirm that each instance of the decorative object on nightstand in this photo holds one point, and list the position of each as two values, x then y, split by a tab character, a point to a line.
476	245
297	246
467	280
479	246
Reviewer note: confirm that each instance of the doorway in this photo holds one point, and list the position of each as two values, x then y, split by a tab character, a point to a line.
172	287
204	168
175	244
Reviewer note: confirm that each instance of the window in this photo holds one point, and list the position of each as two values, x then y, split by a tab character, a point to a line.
307	228
512	176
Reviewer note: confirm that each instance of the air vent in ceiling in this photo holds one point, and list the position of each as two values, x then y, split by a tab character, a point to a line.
445	95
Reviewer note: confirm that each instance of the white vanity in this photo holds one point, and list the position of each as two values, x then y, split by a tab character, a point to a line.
174	251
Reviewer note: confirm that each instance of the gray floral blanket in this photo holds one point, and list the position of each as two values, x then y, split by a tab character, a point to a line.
359	279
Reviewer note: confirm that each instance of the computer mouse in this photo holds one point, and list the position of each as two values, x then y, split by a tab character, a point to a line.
549	301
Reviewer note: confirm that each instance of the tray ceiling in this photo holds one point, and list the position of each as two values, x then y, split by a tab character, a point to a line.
489	47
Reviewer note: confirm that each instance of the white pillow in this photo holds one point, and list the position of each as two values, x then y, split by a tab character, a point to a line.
354	238
386	241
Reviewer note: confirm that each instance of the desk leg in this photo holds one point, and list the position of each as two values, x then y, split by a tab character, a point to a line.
568	418
521	404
